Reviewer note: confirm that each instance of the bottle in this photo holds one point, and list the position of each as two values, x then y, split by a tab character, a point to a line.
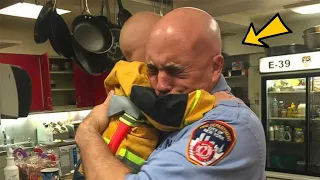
274	108
11	171
276	133
281	133
294	110
287	134
293	106
271	133
289	112
280	107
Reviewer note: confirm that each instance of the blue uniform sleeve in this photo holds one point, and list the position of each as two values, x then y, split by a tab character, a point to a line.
230	146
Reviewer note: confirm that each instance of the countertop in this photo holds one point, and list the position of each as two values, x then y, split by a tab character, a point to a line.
58	144
55	144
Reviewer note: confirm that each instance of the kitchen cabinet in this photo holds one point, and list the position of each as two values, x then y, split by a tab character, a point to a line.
99	92
32	65
58	84
84	87
74	88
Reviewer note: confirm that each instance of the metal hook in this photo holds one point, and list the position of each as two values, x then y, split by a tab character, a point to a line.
86	8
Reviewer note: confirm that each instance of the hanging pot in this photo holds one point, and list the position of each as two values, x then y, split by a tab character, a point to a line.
42	28
91	33
60	36
311	37
285	49
123	14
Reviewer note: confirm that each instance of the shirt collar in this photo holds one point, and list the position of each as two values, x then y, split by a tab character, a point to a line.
221	85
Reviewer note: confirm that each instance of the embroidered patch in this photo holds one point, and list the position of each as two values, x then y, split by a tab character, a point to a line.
210	142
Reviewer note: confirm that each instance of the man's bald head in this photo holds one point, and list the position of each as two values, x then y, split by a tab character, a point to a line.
134	35
186	40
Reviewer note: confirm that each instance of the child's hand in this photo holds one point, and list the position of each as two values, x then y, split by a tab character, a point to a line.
223	96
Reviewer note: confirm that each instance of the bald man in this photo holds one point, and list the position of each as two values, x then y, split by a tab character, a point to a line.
134	35
228	143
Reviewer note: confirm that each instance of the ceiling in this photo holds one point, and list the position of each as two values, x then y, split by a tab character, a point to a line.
232	15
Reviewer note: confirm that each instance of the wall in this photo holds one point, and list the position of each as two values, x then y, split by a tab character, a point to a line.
22	30
233	46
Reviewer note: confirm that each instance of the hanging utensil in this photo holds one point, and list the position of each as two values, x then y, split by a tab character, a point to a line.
42	27
105	19
94	64
91	41
115	54
154	5
60	37
161	12
123	14
91	33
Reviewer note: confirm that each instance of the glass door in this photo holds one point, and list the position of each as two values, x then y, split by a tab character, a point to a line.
285	124
314	125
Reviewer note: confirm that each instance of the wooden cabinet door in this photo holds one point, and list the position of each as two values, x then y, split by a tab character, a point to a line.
31	64
83	87
99	92
46	85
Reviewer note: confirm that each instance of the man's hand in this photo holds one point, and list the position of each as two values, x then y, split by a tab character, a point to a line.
98	117
97	159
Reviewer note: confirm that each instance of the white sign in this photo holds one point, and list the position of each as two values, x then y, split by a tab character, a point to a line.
292	62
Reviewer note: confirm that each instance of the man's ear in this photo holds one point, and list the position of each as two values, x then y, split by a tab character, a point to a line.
217	67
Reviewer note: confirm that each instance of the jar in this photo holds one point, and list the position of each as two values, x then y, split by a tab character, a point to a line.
298	135
67	66
284	113
55	67
302	110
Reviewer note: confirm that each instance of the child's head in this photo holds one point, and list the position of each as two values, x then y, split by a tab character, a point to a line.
134	35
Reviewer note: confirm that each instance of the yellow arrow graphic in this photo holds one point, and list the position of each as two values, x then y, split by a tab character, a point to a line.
275	27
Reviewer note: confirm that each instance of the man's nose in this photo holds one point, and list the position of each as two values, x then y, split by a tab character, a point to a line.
164	83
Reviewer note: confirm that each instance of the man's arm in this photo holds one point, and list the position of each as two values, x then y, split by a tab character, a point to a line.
97	158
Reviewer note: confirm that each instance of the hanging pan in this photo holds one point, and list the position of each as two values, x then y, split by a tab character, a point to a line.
88	58
60	38
94	64
42	27
123	14
91	33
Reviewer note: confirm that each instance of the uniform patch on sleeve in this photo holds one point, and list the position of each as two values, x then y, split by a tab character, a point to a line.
210	142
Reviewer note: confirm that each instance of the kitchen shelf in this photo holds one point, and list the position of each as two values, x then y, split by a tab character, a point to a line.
63	89
61	72
286	92
291	92
286	119
286	142
236	77
66	107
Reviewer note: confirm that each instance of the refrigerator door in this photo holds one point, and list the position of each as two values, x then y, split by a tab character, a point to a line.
285	122
314	125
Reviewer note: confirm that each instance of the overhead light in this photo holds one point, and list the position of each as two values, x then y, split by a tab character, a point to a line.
26	10
306	7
